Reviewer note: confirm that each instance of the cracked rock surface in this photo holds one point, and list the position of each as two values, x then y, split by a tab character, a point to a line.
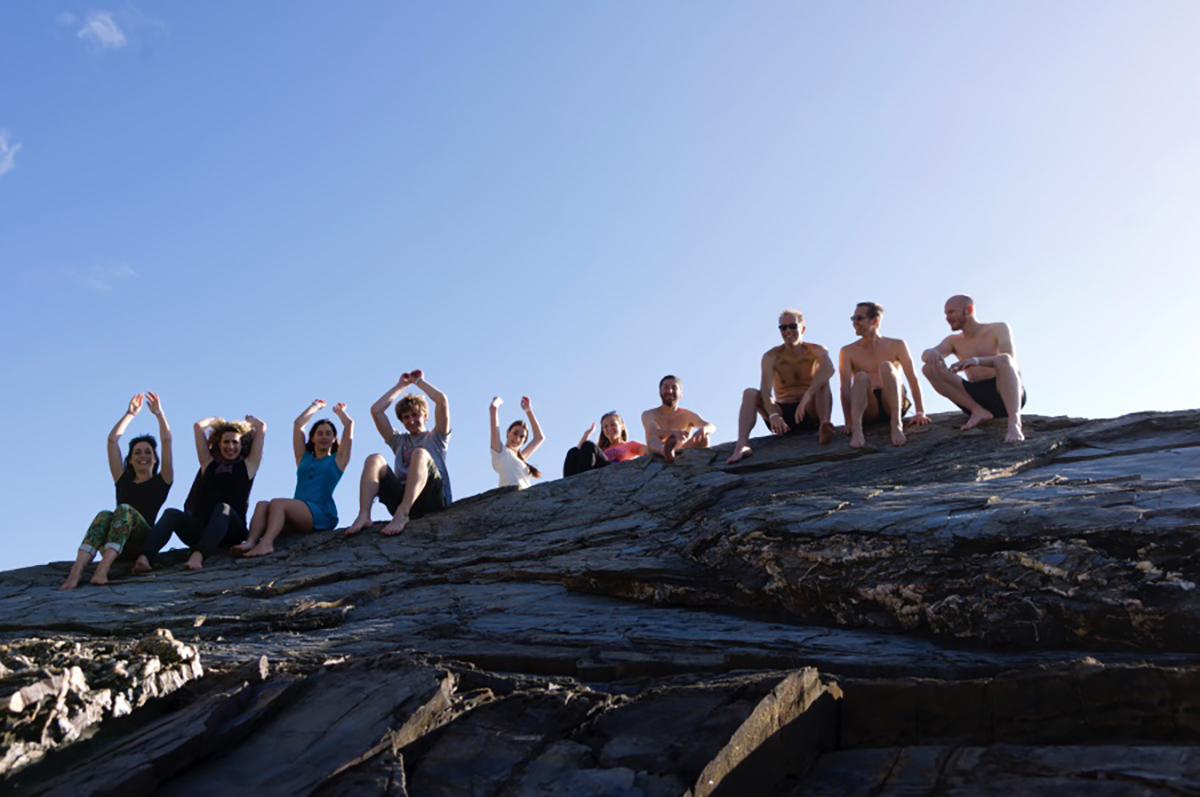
811	620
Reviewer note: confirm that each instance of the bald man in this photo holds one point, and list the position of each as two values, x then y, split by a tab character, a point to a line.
985	353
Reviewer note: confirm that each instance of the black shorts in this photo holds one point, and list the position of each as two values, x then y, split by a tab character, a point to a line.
882	416
987	395
432	499
808	424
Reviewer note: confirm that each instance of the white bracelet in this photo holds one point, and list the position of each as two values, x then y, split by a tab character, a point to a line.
774	415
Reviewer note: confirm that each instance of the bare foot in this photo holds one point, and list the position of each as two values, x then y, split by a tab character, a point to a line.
857	440
738	453
898	438
142	565
1014	434
827	433
396	525
99	579
358	525
977	418
669	448
262	549
195	561
72	582
241	548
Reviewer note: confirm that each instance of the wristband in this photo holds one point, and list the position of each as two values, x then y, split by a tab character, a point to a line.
774	415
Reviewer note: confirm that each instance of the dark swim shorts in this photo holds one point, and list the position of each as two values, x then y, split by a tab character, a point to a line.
391	493
883	416
987	395
808	424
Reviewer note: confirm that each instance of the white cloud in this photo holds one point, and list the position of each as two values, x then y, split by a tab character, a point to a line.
8	153
101	278
102	30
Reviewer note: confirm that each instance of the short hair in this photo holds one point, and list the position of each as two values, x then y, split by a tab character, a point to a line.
789	311
873	310
412	402
243	430
963	300
662	381
146	438
310	448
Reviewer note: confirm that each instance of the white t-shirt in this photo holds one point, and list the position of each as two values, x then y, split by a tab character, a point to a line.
511	469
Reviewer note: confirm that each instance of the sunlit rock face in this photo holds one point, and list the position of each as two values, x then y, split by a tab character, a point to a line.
955	616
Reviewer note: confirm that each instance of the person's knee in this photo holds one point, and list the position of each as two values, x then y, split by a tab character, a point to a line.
889	370
750	396
1004	362
861	380
419	455
374	464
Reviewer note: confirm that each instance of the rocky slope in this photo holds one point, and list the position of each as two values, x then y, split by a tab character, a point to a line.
957	616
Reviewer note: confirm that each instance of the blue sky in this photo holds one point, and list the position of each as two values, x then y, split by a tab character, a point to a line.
245	206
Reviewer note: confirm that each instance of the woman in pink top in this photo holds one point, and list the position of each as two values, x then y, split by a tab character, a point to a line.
614	446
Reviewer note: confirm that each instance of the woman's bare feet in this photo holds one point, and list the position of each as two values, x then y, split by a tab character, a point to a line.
826	434
72	581
738	453
261	549
142	565
898	438
857	439
241	548
195	561
99	579
358	525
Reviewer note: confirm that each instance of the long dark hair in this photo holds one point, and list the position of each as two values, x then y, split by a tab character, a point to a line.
309	445
533	471
604	441
146	438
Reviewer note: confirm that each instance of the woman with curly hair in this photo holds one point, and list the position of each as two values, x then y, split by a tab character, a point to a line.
510	460
320	463
614	446
142	487
214	514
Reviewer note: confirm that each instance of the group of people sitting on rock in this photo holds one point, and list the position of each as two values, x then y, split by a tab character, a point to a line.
793	397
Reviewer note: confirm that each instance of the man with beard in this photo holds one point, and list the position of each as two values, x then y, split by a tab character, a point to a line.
669	428
993	387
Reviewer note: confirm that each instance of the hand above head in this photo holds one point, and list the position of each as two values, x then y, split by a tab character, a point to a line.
525	404
318	403
496	402
416	375
154	403
339	410
591	430
135	404
256	423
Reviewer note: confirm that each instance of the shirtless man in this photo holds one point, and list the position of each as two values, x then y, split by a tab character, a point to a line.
871	388
799	375
993	386
420	483
669	427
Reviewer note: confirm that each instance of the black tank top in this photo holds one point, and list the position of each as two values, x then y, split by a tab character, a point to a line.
147	498
221	482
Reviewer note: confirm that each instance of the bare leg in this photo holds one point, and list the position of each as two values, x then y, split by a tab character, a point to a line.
890	375
668	448
950	386
418	476
284	512
107	557
82	560
195	561
859	396
1008	382
258	524
747	417
824	404
368	488
142	565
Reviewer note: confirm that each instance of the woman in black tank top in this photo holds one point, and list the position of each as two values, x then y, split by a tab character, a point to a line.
214	514
142	489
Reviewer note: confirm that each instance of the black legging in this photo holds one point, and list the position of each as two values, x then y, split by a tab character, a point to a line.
225	527
587	457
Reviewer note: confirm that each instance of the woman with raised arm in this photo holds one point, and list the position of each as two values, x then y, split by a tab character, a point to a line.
215	510
614	446
510	460
320	463
142	487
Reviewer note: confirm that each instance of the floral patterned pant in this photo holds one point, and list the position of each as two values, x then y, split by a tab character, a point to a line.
114	529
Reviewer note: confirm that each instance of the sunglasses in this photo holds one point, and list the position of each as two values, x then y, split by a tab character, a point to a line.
858	318
782	327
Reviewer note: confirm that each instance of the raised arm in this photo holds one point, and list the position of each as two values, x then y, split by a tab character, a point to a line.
347	442
538	438
379	409
587	434
441	405
254	459
116	464
202	452
298	427
166	458
494	414
914	384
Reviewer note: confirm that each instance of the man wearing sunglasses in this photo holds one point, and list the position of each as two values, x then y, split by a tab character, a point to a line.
993	387
871	369
798	374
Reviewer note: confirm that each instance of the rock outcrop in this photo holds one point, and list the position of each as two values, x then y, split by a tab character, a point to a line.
957	616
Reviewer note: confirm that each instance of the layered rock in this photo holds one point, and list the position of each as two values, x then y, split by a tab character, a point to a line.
810	620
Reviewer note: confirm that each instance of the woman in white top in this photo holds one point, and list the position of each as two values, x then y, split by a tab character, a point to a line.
510	460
